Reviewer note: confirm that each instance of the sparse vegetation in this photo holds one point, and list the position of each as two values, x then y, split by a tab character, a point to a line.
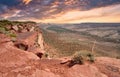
59	29
80	57
4	24
3	30
12	35
63	48
67	39
10	28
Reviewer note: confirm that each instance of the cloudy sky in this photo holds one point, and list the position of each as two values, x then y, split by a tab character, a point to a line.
61	11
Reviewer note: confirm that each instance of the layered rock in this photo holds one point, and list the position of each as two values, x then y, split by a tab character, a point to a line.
31	42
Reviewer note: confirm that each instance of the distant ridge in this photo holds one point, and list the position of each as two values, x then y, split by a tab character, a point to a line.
98	24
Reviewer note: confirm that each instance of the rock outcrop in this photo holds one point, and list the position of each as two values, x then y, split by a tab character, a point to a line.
25	35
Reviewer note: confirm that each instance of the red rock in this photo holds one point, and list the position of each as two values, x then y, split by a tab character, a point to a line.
35	50
9	27
84	71
15	62
5	39
31	42
39	52
27	38
15	27
109	66
18	63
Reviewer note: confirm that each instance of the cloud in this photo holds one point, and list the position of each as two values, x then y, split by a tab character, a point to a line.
56	10
26	1
12	13
103	14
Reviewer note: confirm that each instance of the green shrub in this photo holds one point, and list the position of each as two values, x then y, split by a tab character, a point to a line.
2	30
12	35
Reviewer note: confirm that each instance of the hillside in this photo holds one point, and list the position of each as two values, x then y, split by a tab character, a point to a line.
24	52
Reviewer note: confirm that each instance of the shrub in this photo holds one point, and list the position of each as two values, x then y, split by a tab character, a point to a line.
82	56
12	35
46	55
2	30
118	57
90	57
78	58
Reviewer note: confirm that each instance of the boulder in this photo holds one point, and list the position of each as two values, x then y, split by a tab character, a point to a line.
32	29
15	27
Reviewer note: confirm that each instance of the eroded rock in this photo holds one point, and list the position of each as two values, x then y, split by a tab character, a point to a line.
31	42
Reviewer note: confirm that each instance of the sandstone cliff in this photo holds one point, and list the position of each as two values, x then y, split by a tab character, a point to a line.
22	46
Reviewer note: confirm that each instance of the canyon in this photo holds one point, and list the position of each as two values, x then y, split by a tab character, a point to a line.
22	50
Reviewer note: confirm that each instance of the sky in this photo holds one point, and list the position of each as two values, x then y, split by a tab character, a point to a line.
61	11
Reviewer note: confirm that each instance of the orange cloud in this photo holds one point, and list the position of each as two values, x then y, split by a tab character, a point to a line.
103	14
70	2
26	1
12	13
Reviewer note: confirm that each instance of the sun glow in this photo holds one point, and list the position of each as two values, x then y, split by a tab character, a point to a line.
106	14
26	1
